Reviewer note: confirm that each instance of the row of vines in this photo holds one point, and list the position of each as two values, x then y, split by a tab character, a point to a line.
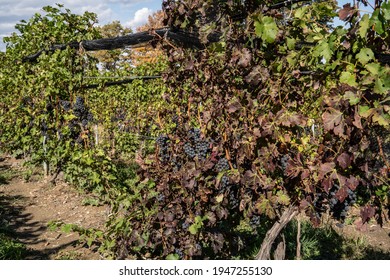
283	114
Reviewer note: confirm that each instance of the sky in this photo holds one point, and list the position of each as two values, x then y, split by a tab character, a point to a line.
131	13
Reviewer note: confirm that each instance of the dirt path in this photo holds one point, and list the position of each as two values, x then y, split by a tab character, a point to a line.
32	205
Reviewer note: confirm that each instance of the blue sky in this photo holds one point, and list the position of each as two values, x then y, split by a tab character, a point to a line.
130	13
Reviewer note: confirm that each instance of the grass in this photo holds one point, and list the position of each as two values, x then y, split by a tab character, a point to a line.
11	249
322	243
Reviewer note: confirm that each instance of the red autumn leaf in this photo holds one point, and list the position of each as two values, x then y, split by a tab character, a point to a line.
327	184
325	168
352	183
342	194
344	160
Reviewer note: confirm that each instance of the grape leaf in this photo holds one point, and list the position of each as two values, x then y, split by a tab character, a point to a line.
266	29
348	78
346	12
352	183
344	160
325	168
365	55
332	118
385	8
364	25
373	68
367	212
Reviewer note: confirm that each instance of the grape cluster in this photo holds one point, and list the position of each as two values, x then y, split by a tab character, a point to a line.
196	147
179	253
224	182
82	112
201	149
44	128
222	165
163	145
185	225
83	118
337	208
160	197
234	202
255	221
283	163
189	150
65	105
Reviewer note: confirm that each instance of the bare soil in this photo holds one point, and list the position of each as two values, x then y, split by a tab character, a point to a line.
32	205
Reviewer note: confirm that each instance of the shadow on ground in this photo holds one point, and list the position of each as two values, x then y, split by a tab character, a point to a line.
18	230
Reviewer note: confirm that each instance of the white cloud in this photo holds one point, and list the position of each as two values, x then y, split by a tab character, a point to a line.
140	18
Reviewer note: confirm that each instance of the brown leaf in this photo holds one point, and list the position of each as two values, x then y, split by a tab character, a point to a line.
234	105
325	168
342	194
344	160
257	75
346	12
357	121
245	58
327	184
352	183
206	116
331	118
256	132
367	212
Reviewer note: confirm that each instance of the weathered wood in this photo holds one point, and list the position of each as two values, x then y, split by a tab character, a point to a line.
266	246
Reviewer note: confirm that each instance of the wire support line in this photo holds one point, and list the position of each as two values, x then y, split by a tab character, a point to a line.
121	82
123	77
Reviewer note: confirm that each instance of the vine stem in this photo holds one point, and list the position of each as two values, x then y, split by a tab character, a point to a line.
45	164
265	249
298	238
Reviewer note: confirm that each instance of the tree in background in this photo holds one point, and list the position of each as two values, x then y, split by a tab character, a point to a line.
147	53
110	58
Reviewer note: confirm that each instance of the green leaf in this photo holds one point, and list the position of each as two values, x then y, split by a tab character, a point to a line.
373	68
67	228
382	85
219	198
172	257
266	29
348	78
301	12
376	20
365	111
365	55
291	43
323	50
352	97
193	229
380	119
385	8
364	25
